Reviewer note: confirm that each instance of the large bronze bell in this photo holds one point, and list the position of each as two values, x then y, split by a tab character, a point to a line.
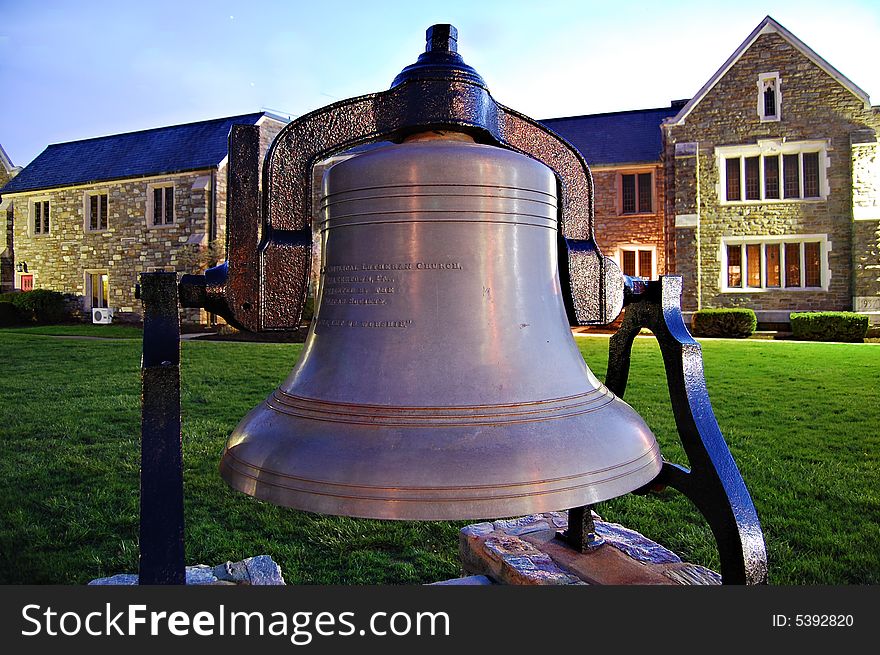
440	379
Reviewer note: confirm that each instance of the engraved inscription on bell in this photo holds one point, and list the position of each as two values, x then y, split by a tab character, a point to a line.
371	289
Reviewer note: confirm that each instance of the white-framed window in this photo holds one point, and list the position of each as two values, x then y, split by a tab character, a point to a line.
764	263
638	261
769	97
772	171
96	205
97	288
160	204
39	222
635	192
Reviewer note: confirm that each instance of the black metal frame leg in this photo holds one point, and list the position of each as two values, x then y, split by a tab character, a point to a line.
161	527
713	483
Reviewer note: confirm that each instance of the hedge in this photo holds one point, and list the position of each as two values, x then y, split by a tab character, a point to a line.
829	326
39	305
9	314
736	323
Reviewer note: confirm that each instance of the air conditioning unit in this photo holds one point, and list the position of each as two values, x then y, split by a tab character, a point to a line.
102	315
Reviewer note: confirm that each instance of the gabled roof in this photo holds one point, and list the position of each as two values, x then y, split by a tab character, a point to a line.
158	151
622	137
5	161
769	26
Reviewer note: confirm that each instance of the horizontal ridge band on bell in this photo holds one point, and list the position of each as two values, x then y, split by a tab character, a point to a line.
264	476
440	203
448	416
424	216
446	190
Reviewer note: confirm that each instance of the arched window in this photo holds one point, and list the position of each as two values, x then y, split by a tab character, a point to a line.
769	97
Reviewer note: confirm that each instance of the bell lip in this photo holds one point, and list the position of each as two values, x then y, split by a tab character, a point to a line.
321	500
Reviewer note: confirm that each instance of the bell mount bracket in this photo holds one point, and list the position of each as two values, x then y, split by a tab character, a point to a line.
713	483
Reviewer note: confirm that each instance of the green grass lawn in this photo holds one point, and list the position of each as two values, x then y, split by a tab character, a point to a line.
79	330
801	420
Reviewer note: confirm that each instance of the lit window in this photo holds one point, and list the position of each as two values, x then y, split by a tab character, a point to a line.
769	97
734	266
636	193
792	265
637	262
780	263
97	288
753	258
773	279
812	265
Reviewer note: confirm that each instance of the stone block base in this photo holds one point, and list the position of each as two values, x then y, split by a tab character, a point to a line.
527	551
259	570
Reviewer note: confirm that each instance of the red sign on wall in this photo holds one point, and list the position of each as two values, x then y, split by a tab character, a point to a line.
27	282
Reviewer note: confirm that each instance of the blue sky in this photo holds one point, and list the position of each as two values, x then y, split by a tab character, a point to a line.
73	70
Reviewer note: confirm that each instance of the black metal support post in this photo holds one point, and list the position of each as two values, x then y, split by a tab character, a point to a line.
713	483
581	533
161	529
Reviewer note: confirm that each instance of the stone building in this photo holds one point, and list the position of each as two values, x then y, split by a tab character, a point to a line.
7	255
772	185
90	216
624	151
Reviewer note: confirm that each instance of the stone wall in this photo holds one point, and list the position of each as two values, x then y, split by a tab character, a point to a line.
129	246
683	207
614	229
815	106
866	224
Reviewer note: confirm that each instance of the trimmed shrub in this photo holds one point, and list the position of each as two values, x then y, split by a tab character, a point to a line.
736	323
829	326
39	305
9	314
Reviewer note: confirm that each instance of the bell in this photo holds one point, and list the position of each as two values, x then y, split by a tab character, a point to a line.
440	379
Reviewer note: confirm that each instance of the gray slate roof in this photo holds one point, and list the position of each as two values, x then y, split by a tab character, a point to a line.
158	151
622	137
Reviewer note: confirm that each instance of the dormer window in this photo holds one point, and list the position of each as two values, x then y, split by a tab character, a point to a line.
769	97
